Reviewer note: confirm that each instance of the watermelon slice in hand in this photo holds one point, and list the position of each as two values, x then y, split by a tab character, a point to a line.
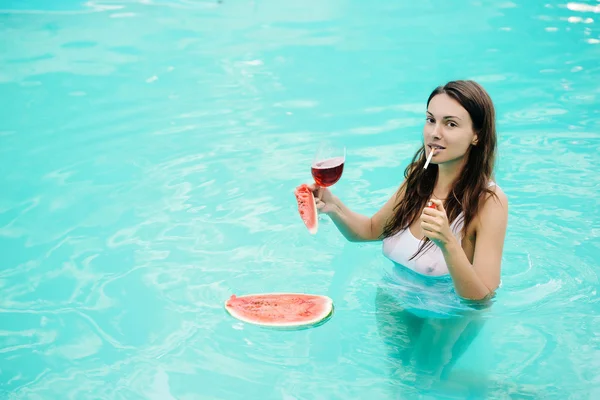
307	207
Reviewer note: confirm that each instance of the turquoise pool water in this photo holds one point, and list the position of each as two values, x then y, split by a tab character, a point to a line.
148	155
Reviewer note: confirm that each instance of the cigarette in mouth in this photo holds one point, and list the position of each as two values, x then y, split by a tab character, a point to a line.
429	158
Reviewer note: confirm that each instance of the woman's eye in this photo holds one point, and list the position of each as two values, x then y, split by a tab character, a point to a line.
430	120
452	124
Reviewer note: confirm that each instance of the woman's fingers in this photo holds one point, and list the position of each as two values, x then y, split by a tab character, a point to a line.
430	231
430	227
436	220
319	203
315	190
427	226
428	219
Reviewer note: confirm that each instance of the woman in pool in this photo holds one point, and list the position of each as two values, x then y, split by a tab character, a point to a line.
463	236
460	238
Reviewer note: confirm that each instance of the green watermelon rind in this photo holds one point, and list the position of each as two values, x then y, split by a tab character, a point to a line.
312	323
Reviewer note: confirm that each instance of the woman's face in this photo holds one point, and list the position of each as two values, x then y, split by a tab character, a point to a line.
448	130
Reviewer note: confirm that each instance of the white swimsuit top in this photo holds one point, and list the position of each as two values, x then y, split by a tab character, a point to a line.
400	248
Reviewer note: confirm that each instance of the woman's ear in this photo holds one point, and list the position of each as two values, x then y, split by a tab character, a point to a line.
474	141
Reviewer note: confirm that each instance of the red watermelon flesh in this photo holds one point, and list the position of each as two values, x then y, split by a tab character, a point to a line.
307	207
280	309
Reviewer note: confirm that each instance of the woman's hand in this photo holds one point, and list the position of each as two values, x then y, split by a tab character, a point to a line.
324	198
434	223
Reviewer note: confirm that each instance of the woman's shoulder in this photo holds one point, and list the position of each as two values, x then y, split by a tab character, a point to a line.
496	192
494	205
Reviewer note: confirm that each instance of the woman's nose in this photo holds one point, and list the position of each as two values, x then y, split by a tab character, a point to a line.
435	133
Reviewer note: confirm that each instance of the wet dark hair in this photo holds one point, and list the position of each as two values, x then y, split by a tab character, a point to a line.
471	186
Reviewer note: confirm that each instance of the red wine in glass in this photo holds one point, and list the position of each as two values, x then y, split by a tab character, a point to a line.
328	165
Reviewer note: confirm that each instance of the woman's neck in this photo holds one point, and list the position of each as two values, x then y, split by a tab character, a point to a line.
447	174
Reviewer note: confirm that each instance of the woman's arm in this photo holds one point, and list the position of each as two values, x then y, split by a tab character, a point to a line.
479	279
354	226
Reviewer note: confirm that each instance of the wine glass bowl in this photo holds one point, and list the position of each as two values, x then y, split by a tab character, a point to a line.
328	164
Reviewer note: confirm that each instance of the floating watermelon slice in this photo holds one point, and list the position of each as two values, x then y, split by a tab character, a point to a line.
281	310
307	207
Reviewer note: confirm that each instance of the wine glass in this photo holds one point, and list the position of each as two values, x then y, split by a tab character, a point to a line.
328	164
